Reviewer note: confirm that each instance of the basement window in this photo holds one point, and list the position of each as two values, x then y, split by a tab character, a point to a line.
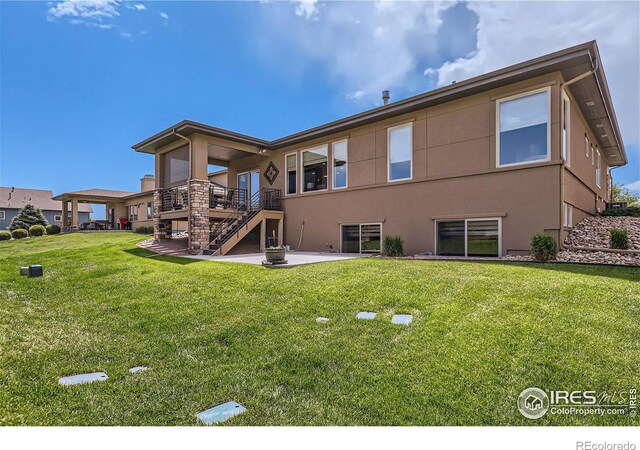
567	219
523	128
470	237
361	238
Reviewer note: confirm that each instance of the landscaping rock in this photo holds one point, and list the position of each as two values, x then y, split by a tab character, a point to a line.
594	231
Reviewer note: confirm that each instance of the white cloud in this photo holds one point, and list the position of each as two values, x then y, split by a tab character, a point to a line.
362	46
137	7
355	95
634	186
511	32
85	9
307	9
165	16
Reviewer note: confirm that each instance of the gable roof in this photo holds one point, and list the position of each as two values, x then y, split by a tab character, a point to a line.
98	195
571	62
16	198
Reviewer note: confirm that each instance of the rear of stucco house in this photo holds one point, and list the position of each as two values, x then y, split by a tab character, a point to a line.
471	169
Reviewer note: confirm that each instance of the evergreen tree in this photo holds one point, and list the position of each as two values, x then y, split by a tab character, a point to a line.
27	216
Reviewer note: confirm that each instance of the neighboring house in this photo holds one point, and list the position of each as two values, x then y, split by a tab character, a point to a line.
12	199
474	168
121	206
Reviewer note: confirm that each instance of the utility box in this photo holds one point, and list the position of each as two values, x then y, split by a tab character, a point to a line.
24	271
35	270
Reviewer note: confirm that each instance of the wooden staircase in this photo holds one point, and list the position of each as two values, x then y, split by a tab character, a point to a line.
242	221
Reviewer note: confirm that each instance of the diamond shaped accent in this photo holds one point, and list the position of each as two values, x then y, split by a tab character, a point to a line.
271	173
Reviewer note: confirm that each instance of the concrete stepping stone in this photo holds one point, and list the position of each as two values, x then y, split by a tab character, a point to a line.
83	378
220	413
367	315
402	319
322	319
137	369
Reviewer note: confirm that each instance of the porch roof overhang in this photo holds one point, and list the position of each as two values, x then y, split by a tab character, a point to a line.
591	94
98	196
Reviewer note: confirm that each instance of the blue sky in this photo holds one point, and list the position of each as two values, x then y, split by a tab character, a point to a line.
83	81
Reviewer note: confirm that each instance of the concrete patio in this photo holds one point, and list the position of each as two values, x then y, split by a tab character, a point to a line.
293	258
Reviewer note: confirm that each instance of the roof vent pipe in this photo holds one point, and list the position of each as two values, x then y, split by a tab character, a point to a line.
385	97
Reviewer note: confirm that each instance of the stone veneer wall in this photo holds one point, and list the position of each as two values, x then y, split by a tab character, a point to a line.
199	216
161	228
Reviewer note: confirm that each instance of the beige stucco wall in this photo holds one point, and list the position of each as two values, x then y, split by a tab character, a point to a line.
454	175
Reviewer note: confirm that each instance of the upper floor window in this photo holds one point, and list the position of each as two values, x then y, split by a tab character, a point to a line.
523	128
586	145
175	167
291	162
399	143
314	169
598	168
340	164
566	118
593	155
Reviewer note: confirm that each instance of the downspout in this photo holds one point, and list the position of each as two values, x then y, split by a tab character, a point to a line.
188	186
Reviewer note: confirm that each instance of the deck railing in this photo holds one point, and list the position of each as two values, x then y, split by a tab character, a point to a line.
221	197
175	198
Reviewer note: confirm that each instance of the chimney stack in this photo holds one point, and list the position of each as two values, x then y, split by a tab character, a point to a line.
147	183
385	97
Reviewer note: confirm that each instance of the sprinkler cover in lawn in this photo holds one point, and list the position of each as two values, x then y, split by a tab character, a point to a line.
221	413
402	319
83	378
368	315
35	270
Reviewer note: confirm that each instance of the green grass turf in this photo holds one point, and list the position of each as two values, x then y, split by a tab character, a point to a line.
214	332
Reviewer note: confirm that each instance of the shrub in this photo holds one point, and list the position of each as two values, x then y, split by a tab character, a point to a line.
632	211
144	230
27	216
543	247
5	235
37	230
20	233
52	229
393	246
619	238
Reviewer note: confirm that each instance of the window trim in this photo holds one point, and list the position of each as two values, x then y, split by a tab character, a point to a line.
360	224
598	169
346	165
566	122
389	180
286	174
3	215
56	217
593	155
302	152
546	89
474	219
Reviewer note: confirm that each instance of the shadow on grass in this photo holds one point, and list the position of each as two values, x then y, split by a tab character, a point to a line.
629	273
143	253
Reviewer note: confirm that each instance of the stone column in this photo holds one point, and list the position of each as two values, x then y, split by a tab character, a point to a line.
161	228
74	213
198	215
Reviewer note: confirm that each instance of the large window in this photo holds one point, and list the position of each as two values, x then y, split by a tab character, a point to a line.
340	164
314	169
400	145
361	238
566	114
598	168
470	237
149	210
523	134
291	162
175	167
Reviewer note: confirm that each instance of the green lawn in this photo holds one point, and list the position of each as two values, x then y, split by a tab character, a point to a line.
215	332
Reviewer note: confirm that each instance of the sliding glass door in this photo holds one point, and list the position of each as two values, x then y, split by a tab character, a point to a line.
361	238
250	183
470	237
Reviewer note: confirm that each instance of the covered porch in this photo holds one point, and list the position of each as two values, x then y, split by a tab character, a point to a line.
217	216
